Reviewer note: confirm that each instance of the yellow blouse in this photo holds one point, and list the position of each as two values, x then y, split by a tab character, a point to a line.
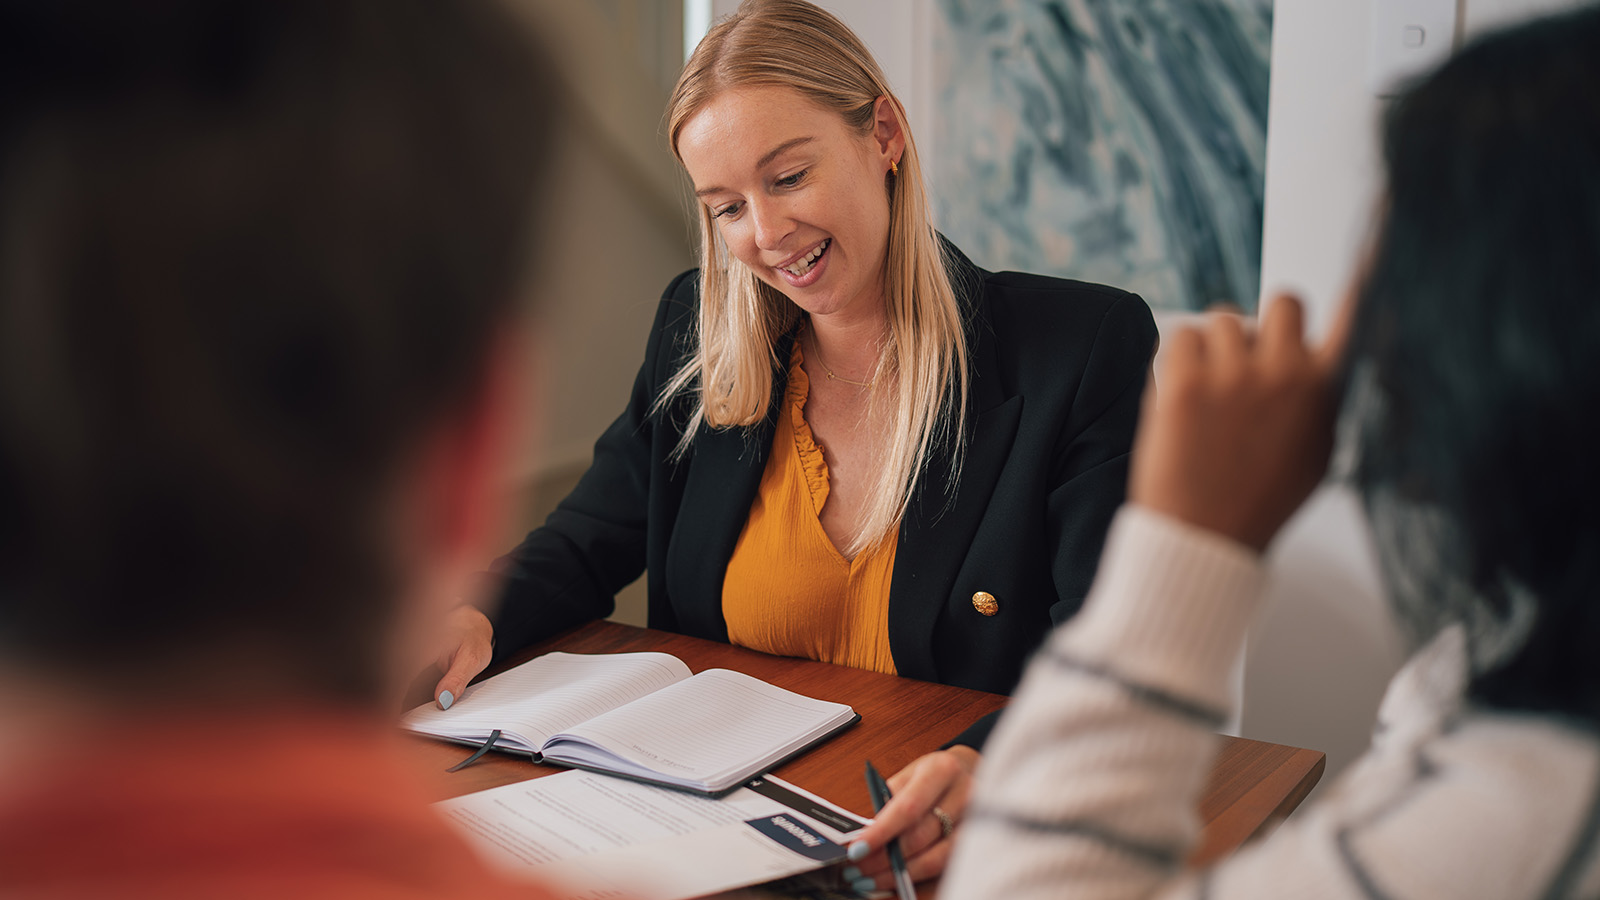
788	590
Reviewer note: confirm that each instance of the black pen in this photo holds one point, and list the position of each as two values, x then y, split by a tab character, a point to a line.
879	789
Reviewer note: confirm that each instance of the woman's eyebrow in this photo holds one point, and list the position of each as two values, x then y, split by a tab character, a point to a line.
779	150
761	163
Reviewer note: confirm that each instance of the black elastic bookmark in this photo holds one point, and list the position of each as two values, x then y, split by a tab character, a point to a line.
487	745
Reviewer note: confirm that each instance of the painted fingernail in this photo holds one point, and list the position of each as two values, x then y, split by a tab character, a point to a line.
445	699
864	885
858	851
850	874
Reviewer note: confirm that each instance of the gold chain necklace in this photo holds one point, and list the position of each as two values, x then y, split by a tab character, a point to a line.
818	348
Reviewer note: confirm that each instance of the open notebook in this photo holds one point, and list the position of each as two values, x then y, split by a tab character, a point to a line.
639	715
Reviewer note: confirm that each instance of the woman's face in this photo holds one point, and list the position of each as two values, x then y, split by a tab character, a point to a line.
797	195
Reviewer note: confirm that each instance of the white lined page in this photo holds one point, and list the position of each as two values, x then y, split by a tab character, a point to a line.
546	695
709	732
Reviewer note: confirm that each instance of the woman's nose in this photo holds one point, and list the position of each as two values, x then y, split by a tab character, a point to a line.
772	224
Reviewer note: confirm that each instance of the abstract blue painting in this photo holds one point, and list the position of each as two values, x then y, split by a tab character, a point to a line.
1118	141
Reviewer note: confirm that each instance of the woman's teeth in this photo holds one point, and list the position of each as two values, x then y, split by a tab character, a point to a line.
804	263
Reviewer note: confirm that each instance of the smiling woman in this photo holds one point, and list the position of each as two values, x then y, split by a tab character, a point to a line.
847	442
807	219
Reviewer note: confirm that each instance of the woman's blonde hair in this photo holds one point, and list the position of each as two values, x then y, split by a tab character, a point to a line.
793	44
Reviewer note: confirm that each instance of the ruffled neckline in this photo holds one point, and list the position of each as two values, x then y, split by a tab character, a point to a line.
812	462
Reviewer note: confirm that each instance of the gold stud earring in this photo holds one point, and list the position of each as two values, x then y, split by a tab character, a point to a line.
894	167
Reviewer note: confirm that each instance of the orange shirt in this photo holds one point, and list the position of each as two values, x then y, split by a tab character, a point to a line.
303	805
788	590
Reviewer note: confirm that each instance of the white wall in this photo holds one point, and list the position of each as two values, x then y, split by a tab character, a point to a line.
1323	170
1324	647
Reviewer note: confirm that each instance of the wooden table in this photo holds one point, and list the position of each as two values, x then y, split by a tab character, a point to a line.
1253	784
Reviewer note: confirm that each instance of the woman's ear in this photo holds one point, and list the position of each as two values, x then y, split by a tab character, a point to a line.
888	134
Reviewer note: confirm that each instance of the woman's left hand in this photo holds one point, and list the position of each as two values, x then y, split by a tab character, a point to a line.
929	797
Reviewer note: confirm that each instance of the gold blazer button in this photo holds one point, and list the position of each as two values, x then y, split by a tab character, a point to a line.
985	603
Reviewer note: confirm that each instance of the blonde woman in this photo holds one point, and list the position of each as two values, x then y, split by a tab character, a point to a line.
846	442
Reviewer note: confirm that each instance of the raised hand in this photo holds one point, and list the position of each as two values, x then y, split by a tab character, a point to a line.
1240	432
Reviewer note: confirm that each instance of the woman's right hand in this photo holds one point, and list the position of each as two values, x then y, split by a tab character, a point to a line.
467	645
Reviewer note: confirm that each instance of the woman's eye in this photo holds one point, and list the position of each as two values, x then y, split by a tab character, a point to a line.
729	210
791	180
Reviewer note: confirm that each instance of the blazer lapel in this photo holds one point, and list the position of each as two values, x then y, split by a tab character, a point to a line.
938	528
724	476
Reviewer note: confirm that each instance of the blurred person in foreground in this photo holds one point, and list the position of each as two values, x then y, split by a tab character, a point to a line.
1471	381
846	442
257	265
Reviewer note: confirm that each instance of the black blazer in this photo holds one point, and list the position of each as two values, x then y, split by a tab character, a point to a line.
1058	368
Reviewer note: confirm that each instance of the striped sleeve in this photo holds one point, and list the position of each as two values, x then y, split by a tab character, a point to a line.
1088	785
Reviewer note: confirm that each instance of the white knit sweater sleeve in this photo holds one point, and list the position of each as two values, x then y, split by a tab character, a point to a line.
1089	784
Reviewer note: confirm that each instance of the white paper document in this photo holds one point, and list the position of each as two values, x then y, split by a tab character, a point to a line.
594	836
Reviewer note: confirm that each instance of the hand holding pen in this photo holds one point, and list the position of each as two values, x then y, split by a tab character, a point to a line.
930	796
